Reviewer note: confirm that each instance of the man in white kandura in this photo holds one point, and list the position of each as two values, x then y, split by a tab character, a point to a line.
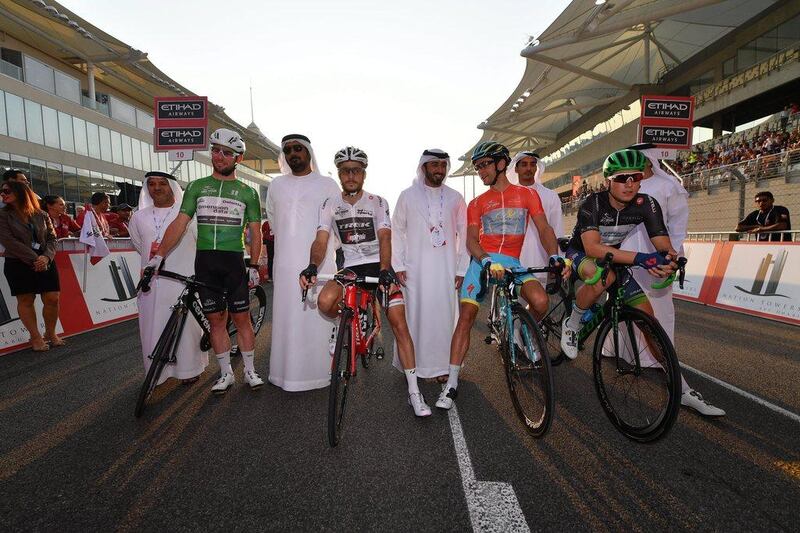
361	222
527	169
674	202
159	201
429	255
293	202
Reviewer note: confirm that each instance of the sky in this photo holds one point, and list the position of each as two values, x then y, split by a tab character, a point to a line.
392	78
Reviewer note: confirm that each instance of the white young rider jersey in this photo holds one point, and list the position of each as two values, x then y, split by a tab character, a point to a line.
356	225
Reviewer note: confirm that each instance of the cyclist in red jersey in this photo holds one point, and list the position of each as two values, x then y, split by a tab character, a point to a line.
496	224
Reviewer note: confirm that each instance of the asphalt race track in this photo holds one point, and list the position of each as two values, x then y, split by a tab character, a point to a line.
74	458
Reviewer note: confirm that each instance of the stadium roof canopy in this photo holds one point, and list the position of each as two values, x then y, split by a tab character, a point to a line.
598	57
60	33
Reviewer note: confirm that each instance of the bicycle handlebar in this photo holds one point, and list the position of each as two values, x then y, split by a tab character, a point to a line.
601	273
149	272
515	273
344	277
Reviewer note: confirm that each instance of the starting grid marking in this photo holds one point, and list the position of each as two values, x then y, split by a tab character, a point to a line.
493	505
737	390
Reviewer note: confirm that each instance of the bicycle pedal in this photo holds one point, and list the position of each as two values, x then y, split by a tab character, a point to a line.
379	353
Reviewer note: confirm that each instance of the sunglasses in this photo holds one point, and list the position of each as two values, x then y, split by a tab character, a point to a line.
6	192
225	153
481	166
354	171
636	177
296	148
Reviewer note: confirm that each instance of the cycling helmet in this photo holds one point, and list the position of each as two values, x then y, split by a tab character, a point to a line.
492	149
350	153
622	160
229	138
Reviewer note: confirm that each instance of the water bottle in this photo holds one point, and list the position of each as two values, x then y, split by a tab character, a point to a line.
589	313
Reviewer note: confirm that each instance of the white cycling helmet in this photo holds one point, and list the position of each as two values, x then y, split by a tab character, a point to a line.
229	138
350	153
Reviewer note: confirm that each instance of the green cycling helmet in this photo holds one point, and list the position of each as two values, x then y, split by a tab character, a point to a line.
491	149
622	160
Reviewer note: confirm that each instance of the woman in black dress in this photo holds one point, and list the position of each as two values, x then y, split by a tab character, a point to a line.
30	243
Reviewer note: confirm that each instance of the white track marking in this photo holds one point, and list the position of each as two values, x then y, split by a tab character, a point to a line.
746	394
493	505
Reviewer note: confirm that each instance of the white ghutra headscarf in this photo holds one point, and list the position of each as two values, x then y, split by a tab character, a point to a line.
145	200
511	173
432	154
302	139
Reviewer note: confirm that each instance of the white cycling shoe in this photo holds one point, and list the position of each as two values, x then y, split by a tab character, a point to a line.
224	383
447	397
417	402
569	340
253	379
694	400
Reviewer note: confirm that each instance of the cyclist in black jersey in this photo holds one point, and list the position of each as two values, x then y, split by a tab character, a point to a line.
604	220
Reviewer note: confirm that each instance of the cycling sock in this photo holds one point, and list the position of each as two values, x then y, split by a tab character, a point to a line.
452	379
224	360
248	358
574	321
411	377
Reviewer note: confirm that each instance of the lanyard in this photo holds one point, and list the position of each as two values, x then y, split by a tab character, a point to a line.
158	224
440	218
766	218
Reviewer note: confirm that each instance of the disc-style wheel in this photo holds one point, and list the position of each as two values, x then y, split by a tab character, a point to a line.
158	361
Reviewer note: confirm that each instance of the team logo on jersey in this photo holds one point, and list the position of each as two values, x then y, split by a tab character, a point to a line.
341	211
639	200
492	203
362	211
606	220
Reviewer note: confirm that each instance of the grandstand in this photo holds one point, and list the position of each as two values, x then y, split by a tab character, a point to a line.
579	99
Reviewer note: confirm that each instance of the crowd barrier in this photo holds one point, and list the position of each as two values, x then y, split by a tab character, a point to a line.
755	278
92	296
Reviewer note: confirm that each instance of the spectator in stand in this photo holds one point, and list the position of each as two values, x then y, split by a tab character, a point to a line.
118	224
64	225
785	117
99	206
269	245
30	248
767	220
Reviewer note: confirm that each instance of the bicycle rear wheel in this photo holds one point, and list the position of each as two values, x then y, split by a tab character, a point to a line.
340	379
529	376
160	356
642	403
258	309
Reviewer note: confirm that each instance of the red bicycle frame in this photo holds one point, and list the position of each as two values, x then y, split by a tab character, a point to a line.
359	300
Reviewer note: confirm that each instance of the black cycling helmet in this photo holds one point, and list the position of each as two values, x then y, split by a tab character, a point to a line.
622	160
492	149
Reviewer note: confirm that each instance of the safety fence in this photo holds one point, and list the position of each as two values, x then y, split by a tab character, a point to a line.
92	296
756	278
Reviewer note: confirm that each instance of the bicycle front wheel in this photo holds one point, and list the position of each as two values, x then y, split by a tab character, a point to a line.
637	376
159	359
340	379
528	374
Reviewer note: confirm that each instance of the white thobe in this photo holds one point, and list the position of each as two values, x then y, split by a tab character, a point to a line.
147	226
533	253
430	294
674	202
299	358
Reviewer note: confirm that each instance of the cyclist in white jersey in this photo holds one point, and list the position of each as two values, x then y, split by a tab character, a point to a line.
362	224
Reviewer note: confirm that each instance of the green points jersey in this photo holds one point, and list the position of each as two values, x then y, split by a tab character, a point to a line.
223	208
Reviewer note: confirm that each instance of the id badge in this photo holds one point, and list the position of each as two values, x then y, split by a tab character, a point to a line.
36	246
154	248
437	237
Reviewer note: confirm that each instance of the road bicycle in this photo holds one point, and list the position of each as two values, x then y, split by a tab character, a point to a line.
524	353
188	302
359	324
635	368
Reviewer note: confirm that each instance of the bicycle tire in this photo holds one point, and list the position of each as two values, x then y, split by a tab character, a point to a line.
158	362
258	309
654	393
365	357
340	379
530	382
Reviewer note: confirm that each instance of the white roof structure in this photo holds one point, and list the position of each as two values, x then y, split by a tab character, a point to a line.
600	56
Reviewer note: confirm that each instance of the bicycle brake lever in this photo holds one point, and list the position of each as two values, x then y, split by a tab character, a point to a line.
681	271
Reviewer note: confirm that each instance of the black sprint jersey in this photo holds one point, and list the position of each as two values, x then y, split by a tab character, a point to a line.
597	214
356	225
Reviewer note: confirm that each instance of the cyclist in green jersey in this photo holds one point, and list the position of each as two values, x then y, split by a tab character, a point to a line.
223	206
